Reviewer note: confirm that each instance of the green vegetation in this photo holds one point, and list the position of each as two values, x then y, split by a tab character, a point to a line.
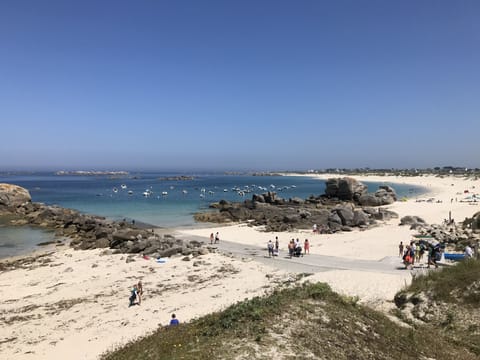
454	284
446	302
306	321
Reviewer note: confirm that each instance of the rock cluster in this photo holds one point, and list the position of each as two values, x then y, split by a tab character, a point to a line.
90	231
455	236
339	209
349	189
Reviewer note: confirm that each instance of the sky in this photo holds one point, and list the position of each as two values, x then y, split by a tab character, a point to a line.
239	85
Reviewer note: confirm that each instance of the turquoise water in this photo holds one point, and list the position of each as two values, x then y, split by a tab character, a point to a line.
170	203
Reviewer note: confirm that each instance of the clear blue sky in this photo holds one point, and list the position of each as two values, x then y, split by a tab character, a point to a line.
239	84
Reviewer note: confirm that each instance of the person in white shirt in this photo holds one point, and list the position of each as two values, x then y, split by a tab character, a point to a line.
468	251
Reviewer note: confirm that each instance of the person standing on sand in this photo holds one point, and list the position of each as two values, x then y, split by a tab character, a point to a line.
139	292
315	228
400	249
291	247
277	244
211	239
217	238
270	248
306	247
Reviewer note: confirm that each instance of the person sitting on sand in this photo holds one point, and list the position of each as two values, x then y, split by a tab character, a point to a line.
174	321
133	295
139	292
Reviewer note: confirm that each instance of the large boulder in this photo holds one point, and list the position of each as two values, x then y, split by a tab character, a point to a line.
12	196
385	195
347	189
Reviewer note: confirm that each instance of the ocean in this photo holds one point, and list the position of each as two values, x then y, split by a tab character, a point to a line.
155	198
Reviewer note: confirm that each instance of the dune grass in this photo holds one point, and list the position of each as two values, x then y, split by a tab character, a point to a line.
452	284
309	321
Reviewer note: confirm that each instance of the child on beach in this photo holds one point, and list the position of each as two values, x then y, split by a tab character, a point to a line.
211	239
174	321
133	295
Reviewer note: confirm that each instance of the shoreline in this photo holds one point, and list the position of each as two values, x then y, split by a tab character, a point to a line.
73	299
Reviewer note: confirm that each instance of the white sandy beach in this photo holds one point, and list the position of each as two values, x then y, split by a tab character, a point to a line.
76	306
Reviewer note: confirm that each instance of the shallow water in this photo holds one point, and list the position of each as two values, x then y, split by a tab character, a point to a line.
21	240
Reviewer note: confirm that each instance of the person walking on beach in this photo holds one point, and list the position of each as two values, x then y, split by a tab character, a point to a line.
400	249
315	228
277	244
217	238
306	247
270	248
211	239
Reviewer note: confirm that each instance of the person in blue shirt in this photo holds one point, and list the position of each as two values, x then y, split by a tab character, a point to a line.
174	321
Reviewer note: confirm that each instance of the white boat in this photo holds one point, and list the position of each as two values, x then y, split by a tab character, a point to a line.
164	193
115	190
184	191
123	186
130	192
147	193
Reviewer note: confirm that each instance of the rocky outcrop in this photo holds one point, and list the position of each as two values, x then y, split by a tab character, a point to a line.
89	231
278	214
12	196
346	189
385	195
339	209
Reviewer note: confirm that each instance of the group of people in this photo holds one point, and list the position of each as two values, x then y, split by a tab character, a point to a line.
414	252
294	248
136	294
214	239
